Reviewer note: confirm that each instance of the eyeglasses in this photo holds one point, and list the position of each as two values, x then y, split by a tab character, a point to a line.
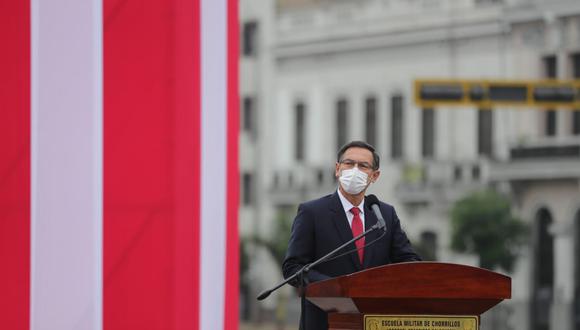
349	163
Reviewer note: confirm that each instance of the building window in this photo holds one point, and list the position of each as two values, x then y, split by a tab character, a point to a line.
299	131
320	176
397	126
543	276
250	31
550	71
248	114
576	315
371	120
485	132
576	122
428	246
475	173
428	129
575	59
341	122
550	68
247	189
551	123
457	173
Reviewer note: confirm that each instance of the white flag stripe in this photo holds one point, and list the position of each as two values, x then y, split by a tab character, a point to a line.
213	157
66	164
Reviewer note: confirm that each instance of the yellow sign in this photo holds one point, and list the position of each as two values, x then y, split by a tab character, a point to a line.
420	322
488	94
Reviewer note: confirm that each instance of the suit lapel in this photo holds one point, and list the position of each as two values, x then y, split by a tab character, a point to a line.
370	220
341	223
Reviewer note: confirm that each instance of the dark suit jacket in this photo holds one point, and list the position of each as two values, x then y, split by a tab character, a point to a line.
321	226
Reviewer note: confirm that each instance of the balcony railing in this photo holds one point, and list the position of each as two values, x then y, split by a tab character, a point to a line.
293	186
544	159
440	182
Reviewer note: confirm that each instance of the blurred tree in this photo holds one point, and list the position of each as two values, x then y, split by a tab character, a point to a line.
276	244
482	224
244	281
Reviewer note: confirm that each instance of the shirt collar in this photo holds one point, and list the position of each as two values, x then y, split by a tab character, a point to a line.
347	205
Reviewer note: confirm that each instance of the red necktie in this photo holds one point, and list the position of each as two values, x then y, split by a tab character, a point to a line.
357	229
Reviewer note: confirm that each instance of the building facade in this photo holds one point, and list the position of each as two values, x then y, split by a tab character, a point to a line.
317	74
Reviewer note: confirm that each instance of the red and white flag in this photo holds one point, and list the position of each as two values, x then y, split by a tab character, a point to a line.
118	164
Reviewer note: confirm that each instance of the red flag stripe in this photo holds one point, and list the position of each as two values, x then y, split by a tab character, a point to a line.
15	164
187	165
151	165
232	240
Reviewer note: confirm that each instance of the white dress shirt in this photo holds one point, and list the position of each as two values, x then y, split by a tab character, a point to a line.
347	206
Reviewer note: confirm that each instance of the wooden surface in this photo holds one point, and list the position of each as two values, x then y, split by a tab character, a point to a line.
338	321
413	288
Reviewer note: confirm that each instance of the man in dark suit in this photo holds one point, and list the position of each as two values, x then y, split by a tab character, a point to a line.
323	224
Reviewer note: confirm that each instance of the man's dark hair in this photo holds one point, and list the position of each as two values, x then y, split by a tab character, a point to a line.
360	144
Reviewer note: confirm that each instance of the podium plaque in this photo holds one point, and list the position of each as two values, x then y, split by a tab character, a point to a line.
420	322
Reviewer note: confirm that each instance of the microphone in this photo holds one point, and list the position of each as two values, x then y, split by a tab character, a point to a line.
265	294
374	204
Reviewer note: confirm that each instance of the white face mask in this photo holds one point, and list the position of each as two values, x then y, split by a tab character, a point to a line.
353	180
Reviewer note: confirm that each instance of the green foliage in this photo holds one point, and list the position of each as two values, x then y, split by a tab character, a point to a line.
482	224
244	256
277	243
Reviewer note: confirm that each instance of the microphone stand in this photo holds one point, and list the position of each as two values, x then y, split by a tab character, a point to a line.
301	274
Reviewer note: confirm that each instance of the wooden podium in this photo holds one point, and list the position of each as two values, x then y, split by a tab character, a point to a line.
409	289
